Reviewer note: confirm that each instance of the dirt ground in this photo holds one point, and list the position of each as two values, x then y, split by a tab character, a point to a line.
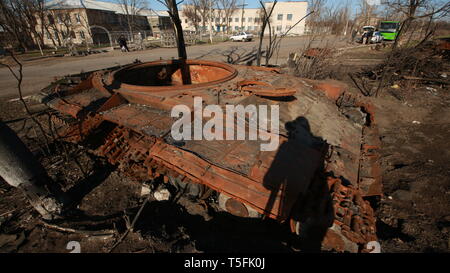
412	216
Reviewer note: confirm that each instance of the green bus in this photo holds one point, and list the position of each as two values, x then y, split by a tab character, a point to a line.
389	29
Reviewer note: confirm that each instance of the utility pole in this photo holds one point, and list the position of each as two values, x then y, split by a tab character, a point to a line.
242	15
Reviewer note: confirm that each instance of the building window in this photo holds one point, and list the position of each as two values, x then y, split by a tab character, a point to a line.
249	28
236	19
280	17
77	18
278	28
256	20
217	20
250	19
243	19
186	20
82	34
48	35
289	17
230	20
236	28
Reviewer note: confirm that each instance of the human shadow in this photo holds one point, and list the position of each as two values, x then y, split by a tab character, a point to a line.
298	185
89	183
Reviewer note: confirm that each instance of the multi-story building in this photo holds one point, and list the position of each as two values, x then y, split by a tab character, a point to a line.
159	21
284	16
89	21
98	22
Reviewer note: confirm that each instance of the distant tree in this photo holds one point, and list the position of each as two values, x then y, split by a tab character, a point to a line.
314	22
203	7
274	41
228	8
16	18
266	15
417	9
191	12
366	13
131	8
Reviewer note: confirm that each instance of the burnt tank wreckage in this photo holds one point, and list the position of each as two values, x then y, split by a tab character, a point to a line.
317	178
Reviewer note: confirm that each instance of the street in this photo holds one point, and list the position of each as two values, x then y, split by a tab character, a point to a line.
39	73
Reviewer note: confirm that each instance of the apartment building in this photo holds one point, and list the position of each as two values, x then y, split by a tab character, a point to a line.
284	16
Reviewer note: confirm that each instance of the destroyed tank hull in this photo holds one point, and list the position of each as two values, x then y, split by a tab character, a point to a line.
316	179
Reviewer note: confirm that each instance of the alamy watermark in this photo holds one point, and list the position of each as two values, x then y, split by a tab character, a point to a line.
229	123
74	247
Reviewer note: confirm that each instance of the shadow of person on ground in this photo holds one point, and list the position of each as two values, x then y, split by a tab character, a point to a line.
298	186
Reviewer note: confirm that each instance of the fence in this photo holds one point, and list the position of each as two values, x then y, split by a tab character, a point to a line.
102	38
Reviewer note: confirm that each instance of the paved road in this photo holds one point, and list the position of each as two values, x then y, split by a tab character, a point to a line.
39	73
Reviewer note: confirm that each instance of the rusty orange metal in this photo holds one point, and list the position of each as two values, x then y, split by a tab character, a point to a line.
332	89
264	89
236	208
276	70
203	74
317	52
357	226
132	106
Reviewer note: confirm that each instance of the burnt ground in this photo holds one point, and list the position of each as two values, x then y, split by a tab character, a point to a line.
413	215
414	123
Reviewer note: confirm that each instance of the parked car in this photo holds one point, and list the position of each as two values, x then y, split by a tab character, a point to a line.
242	36
377	37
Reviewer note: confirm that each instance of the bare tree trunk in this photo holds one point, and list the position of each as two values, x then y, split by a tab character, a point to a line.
210	22
130	29
265	21
182	55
